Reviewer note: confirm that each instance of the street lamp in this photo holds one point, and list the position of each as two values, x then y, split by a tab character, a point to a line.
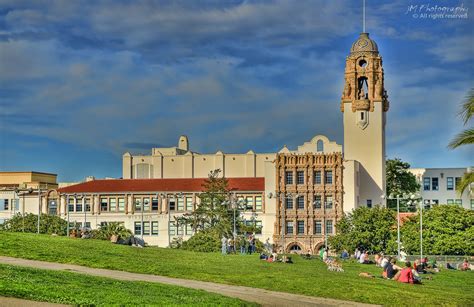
235	203
282	196
39	208
413	198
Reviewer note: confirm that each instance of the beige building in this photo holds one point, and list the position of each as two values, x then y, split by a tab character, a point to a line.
19	192
296	196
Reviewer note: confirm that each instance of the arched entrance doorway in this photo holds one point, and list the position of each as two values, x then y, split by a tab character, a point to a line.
294	248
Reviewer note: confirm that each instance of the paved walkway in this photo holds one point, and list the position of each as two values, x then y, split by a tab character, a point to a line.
18	302
260	296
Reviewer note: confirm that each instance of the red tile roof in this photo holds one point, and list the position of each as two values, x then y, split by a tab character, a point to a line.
160	185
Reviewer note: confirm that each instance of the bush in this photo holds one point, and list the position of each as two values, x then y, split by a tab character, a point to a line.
49	224
203	241
105	232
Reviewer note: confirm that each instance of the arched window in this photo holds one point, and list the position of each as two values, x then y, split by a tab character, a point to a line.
320	146
295	248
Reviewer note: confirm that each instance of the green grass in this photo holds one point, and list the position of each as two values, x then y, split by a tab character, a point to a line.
308	277
78	289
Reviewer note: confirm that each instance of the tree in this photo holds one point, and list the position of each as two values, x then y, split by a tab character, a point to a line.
466	137
212	211
447	230
371	229
399	180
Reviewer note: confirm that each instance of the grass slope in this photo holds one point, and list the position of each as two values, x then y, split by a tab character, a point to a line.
302	277
77	289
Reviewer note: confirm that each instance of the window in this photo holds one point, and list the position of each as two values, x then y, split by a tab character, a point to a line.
300	177
104	205
289	202
172	205
318	227
457	181
189	203
449	183
319	146
258	226
180	228
17	204
88	205
435	202
427	204
172	228
103	224
289	177
258	203
459	202
249	200
450	201
317	201
317	177
180	204
53	207
5	205
300	201
329	226
426	183
138	228
154	228
154	204
87	225
328	177
369	203
146	204
328	202
300	227
189	229
113	204
289	227
78	205
434	184
70	204
472	204
146	228
138	204
121	204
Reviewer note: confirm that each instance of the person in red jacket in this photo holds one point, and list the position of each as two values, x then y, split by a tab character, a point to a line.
406	275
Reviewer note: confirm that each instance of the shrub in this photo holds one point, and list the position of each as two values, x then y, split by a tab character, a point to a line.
49	224
105	232
203	241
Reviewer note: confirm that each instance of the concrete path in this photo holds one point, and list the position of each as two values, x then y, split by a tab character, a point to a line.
260	296
17	302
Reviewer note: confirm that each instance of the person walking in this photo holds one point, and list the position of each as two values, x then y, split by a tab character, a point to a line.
224	245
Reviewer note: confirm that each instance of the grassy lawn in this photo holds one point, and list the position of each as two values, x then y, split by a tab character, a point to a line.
77	289
309	277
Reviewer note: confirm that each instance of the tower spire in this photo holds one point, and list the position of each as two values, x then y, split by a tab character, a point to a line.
363	16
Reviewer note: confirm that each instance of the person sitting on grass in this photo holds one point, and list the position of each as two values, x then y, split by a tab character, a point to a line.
270	259
384	262
364	258
391	269
344	255
263	256
406	275
465	265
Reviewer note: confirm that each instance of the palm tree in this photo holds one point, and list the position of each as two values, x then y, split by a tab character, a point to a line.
466	137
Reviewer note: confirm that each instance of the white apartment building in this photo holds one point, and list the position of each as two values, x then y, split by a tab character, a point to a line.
438	186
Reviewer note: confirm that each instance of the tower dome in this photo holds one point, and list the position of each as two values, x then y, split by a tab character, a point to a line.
364	44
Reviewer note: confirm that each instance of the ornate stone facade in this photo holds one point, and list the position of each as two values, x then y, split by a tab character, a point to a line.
317	178
364	77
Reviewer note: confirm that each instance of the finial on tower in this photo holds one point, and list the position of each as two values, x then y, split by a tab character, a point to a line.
363	16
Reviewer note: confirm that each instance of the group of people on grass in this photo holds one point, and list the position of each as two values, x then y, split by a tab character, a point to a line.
274	257
246	244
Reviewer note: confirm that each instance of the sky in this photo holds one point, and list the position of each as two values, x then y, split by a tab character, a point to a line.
82	82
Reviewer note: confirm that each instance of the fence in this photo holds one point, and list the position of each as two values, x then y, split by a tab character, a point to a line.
441	260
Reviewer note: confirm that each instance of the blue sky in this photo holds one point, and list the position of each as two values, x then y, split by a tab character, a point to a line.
82	82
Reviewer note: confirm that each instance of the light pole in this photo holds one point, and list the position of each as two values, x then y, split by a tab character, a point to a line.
39	208
282	196
235	204
67	212
413	198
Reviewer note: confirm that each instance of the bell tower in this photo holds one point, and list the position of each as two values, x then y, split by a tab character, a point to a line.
364	103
